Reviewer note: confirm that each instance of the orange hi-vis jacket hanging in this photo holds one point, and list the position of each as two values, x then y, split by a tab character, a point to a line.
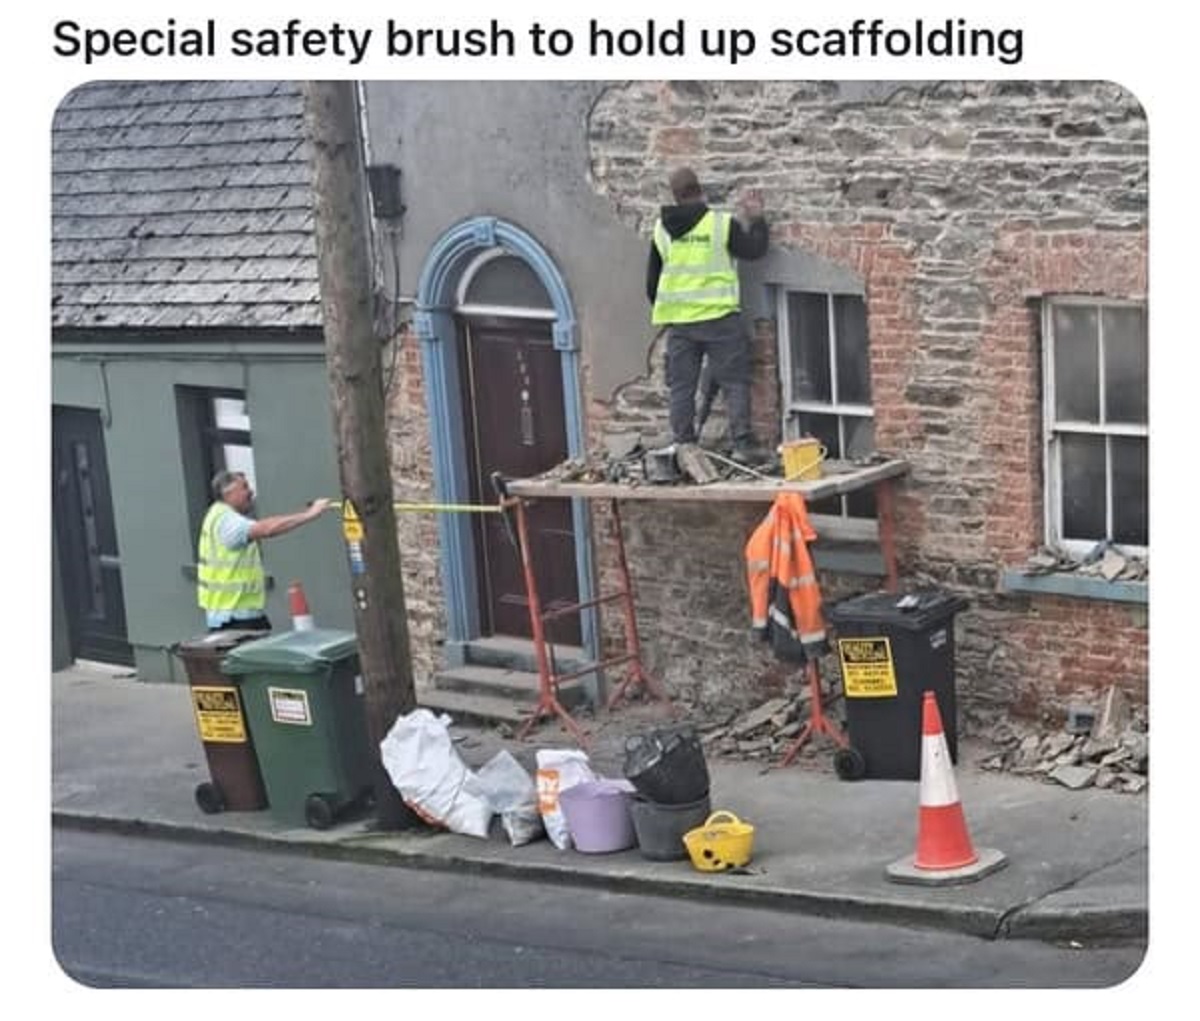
785	601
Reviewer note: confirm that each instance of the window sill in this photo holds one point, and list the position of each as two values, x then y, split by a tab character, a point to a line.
1076	586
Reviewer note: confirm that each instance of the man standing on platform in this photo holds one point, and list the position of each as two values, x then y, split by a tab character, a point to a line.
692	283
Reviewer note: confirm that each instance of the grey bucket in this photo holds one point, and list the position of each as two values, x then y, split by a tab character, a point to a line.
660	828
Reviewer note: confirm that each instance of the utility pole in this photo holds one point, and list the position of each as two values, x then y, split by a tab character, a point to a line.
331	117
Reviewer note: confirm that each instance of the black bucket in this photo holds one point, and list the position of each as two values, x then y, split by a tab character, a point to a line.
660	828
667	766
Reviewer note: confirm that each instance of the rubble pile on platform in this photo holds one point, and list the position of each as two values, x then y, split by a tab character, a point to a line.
622	459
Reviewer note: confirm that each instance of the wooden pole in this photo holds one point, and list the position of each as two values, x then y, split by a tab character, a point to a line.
331	118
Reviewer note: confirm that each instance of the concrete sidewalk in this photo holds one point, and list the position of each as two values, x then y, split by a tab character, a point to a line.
126	756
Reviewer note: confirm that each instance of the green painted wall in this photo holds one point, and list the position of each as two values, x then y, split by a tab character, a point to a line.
295	461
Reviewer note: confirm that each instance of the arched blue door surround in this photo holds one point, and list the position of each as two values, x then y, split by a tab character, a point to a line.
435	328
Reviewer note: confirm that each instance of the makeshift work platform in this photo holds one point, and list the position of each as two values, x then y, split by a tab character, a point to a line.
838	479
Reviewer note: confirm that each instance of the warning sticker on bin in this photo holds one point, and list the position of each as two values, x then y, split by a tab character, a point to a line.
867	668
219	715
289	705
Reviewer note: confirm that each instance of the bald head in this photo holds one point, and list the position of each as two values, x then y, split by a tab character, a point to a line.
685	185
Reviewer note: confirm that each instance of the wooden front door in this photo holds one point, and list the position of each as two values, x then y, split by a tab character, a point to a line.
516	425
87	538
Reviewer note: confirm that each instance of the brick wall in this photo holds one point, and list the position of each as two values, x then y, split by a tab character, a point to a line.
959	205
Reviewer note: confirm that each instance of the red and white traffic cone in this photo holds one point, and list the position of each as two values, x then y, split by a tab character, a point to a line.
298	604
945	854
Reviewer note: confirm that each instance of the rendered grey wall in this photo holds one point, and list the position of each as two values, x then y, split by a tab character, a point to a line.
518	151
294	461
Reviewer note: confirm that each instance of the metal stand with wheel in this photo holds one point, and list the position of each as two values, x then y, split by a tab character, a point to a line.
848	762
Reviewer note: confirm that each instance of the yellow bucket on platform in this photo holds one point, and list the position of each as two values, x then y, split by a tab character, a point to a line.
802	458
723	842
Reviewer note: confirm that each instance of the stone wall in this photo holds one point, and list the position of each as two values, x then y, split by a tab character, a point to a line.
959	206
412	482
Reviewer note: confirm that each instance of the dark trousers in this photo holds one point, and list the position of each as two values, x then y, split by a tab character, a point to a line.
726	345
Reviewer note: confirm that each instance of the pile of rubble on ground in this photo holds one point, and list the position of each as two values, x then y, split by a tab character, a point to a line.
1104	561
763	732
1109	749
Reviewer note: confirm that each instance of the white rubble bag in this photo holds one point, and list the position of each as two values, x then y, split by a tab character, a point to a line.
432	779
558	769
513	796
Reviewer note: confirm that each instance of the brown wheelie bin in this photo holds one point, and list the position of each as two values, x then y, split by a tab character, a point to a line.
236	783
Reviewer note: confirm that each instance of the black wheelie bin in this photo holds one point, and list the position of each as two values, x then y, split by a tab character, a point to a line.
892	648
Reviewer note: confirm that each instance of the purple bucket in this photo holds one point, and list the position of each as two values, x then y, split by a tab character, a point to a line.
598	816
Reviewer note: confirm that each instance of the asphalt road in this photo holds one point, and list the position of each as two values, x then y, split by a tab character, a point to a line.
145	912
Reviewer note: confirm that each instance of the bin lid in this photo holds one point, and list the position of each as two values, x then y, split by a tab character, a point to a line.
915	611
217	643
304	652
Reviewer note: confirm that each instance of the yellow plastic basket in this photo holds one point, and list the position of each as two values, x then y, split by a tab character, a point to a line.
723	842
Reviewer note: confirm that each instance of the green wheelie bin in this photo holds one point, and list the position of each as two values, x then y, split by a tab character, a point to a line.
304	697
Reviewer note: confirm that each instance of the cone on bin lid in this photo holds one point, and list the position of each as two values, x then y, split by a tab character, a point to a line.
302	619
945	853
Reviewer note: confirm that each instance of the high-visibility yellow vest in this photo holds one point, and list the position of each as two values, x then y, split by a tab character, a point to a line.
227	579
699	278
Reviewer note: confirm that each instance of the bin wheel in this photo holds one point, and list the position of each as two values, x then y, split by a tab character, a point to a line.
209	798
849	764
318	811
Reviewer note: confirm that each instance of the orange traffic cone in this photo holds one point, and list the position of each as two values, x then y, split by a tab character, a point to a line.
298	604
944	852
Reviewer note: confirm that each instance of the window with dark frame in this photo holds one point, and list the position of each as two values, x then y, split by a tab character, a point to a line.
228	435
826	382
1097	441
215	436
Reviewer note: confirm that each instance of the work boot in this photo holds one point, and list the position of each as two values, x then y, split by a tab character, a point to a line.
749	452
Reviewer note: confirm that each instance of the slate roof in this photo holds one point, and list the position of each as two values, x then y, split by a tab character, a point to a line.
182	204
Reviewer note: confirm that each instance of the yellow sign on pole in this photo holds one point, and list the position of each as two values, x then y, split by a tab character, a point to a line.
352	527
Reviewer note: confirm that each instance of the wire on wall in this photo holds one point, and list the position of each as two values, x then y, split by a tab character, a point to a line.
394	233
387	213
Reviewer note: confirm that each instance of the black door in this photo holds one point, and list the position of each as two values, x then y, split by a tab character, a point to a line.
516	425
87	538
